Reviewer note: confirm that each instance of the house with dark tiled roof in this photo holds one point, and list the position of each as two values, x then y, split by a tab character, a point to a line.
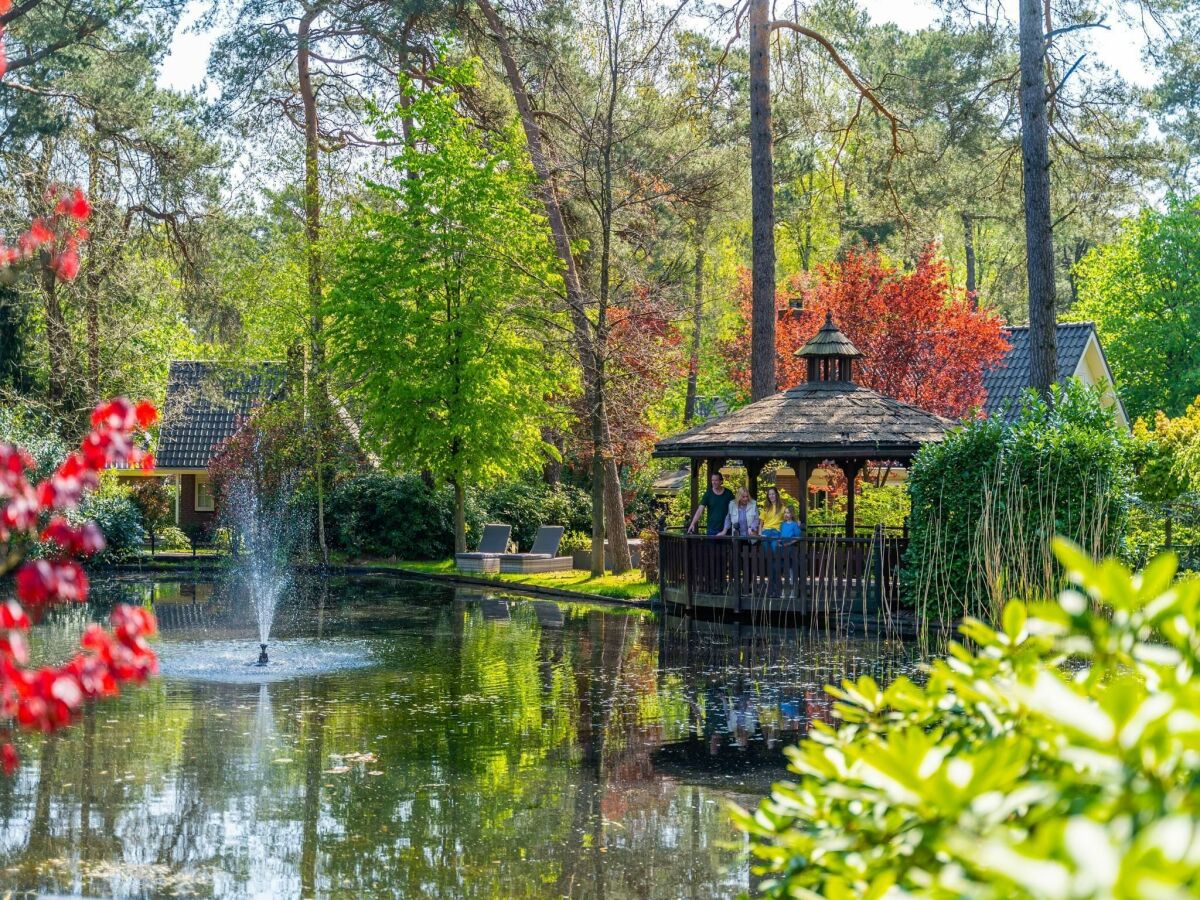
1080	355
206	404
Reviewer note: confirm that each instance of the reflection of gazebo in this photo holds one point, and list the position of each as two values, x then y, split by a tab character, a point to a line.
826	418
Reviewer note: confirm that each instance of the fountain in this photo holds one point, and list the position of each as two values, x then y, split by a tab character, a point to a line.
263	531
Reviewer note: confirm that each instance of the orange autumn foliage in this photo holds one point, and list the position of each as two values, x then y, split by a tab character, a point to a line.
922	340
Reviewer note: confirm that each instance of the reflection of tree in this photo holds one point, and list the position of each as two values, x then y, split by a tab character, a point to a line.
314	759
514	755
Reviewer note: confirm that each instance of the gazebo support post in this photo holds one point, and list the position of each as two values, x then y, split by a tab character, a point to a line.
803	469
753	469
694	484
850	468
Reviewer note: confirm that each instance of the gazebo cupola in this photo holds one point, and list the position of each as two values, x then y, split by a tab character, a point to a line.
830	354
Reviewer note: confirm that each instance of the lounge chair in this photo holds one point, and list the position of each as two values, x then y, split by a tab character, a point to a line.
487	558
542	556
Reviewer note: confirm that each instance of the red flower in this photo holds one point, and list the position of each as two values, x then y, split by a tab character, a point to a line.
146	414
66	263
13	646
35	581
7	754
75	540
76	206
12	616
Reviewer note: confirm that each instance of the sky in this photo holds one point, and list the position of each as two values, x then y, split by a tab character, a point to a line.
1119	47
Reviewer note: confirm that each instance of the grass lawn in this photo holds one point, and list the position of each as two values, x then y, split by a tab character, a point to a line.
628	586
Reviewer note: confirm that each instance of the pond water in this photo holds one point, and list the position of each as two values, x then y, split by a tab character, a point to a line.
410	740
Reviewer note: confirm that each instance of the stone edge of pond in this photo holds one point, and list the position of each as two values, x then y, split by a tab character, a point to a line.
507	587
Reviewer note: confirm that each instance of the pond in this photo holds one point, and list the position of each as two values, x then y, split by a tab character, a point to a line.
412	740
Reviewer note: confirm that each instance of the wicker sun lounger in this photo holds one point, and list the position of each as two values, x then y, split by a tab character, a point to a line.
542	557
487	558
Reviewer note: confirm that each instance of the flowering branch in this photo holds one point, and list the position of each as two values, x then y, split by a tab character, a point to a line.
49	698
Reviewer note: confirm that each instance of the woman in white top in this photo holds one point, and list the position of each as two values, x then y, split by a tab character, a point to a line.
742	518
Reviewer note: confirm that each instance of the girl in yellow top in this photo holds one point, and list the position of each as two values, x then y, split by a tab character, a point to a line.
771	513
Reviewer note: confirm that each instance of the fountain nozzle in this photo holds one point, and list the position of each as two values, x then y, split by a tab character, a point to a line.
262	657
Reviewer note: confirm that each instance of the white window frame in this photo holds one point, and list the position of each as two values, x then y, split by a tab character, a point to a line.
212	501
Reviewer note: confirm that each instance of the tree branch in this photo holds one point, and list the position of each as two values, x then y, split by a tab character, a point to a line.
861	86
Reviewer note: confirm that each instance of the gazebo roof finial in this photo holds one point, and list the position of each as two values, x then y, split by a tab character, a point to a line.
829	341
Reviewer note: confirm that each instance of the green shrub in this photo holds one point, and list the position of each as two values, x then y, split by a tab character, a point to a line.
35	431
575	540
987	501
400	517
118	518
172	537
527	506
1007	773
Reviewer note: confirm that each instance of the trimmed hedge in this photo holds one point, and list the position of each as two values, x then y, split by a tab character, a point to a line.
988	500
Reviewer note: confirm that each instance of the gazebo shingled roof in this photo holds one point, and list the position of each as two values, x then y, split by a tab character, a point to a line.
816	420
827	417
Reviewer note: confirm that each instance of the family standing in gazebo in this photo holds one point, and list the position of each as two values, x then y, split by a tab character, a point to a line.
828	418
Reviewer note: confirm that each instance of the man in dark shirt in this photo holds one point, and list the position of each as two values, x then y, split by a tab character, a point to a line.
716	500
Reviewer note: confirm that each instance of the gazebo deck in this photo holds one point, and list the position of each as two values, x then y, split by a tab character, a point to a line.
811	577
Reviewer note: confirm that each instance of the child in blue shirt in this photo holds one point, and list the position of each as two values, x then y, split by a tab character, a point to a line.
789	527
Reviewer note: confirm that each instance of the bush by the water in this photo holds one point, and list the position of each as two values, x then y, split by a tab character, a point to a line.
396	517
112	508
401	517
527	506
988	500
1007	774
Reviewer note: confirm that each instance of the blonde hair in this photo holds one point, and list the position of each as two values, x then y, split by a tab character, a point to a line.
742	492
791	512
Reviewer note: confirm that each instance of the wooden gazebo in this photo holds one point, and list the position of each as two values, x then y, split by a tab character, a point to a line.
827	418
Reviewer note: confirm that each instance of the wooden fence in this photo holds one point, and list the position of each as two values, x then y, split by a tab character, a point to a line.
812	575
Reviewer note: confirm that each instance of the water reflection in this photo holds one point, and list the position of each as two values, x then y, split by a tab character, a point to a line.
493	748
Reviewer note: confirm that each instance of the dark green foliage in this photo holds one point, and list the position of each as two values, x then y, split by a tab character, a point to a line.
396	517
31	428
402	517
527	506
988	500
119	519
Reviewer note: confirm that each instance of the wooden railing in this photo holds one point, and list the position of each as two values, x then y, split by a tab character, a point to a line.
815	574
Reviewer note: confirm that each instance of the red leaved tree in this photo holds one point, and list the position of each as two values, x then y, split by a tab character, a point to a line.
645	354
922	340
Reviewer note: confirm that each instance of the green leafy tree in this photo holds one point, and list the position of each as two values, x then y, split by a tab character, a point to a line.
1006	773
438	302
1143	293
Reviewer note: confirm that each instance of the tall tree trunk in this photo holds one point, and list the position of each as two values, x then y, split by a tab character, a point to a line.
968	223
92	282
58	337
1035	158
460	516
689	401
14	373
590	360
318	396
762	207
